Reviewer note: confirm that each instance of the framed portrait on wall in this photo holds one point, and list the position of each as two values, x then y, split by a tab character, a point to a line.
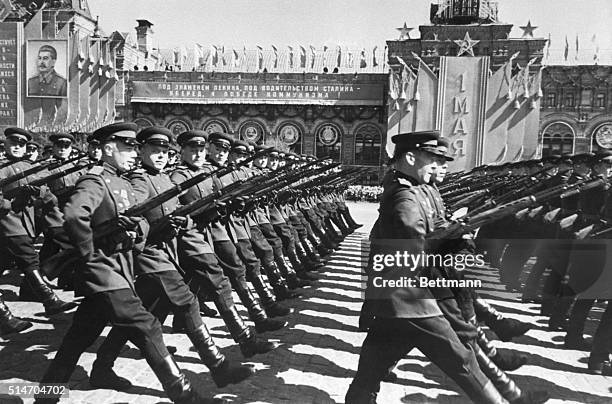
47	68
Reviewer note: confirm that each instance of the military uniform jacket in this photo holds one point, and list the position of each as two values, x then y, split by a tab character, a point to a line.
236	224
64	185
405	217
157	255
215	229
99	196
17	223
50	85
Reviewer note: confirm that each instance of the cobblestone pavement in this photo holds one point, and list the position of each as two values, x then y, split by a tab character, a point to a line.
319	351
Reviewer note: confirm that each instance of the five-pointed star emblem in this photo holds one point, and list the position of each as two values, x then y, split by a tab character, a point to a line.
404	32
466	45
528	29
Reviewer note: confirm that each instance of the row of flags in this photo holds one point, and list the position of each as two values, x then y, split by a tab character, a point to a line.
509	99
92	88
575	48
290	58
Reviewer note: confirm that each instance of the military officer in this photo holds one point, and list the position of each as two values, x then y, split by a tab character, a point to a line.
105	275
48	83
195	246
409	317
234	250
18	227
33	151
158	281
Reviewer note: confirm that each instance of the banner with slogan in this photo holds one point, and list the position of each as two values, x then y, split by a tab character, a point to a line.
11	37
487	117
255	92
461	107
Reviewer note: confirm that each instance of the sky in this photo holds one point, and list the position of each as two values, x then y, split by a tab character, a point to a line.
351	23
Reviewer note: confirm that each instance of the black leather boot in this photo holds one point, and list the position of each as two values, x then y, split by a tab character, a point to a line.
175	384
10	324
252	345
311	251
340	224
505	360
271	306
103	376
285	268
279	285
356	395
349	219
44	294
302	254
319	245
505	328
331	231
508	389
257	313
327	242
221	370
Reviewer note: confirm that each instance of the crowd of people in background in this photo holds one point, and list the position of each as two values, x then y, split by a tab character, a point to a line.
363	193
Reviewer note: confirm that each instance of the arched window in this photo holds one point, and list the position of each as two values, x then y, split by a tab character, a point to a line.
367	145
558	138
328	142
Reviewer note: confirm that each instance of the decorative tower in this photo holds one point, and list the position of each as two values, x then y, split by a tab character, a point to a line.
467	28
468	79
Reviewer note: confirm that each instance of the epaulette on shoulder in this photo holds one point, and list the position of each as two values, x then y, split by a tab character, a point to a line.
405	182
180	167
96	170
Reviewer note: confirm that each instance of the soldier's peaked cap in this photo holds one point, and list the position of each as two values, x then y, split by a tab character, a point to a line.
156	135
424	140
59	136
122	131
219	137
240	145
18	132
192	137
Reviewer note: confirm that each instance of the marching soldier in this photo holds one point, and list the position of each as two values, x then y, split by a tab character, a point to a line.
409	317
18	227
33	151
197	256
105	275
158	281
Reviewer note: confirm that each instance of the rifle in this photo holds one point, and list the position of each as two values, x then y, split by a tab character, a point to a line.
140	209
491	215
51	165
228	193
51	177
10	163
510	195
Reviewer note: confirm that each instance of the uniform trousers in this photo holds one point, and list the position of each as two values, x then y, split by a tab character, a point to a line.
124	310
273	238
390	339
161	293
21	250
261	246
232	266
246	252
205	270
